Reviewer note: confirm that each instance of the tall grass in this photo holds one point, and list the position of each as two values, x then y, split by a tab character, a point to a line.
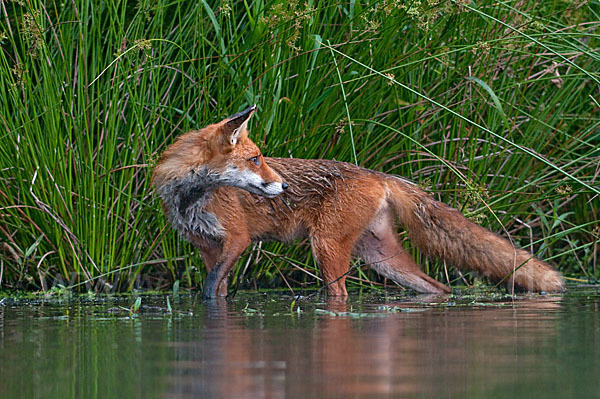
492	106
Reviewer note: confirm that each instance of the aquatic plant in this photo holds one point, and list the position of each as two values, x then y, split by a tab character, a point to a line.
493	106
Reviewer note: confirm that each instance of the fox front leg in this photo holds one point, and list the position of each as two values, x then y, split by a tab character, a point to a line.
213	279
232	250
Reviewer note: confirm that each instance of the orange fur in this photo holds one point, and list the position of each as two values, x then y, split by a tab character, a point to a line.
342	208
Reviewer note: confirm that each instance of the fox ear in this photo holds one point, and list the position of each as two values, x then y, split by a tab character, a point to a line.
236	125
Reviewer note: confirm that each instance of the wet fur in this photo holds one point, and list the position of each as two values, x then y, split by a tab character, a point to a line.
343	209
184	202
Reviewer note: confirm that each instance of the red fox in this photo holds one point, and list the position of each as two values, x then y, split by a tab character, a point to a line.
220	193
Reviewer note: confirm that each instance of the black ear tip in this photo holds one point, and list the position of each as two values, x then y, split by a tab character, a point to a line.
245	114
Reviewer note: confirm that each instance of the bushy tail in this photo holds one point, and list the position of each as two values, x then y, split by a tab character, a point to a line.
443	232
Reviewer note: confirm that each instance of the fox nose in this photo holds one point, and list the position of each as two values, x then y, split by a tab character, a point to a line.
284	185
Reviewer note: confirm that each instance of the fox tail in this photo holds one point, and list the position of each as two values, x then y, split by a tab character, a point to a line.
443	232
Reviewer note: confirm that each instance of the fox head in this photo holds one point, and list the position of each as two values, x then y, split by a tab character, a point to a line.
241	163
224	155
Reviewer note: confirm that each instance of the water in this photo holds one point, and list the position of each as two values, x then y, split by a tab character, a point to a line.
254	347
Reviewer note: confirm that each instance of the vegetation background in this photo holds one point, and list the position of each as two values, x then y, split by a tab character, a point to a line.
492	106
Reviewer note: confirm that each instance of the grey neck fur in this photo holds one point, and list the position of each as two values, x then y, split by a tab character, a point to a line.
185	200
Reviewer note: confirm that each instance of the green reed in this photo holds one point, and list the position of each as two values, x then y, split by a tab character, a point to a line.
492	107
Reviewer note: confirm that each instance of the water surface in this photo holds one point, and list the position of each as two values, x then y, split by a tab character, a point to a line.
257	346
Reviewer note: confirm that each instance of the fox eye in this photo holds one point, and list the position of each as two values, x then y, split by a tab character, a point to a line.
255	160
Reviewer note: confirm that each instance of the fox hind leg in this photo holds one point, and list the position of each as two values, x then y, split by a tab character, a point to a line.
378	247
333	257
